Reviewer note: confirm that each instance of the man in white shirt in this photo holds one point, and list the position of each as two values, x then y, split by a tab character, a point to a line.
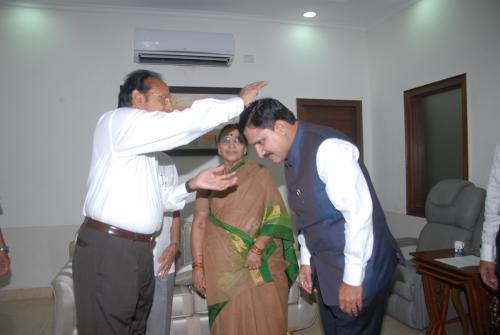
347	251
113	264
488	267
164	252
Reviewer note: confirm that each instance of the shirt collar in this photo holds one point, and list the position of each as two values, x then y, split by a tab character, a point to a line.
293	152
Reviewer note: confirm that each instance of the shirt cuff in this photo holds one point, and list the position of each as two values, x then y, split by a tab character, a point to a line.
305	255
488	253
353	274
175	200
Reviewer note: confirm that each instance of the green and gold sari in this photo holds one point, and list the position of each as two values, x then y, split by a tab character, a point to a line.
243	301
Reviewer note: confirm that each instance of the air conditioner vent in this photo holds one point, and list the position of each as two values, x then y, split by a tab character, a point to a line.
152	46
184	58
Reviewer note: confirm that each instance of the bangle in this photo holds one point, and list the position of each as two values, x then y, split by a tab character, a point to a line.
4	249
197	265
256	250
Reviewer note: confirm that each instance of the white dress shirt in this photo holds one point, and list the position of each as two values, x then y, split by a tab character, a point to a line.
492	211
123	184
346	187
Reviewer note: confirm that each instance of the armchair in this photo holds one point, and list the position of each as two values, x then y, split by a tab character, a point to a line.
454	210
64	317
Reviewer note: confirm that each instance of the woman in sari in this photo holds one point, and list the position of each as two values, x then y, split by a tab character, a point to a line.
242	247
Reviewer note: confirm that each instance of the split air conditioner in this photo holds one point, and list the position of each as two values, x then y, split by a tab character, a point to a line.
152	46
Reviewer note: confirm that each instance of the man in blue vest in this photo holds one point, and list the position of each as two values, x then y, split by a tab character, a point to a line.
348	253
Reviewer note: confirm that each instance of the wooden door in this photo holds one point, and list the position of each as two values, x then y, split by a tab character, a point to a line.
343	115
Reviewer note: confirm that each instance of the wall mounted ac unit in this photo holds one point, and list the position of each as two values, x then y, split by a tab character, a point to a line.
152	46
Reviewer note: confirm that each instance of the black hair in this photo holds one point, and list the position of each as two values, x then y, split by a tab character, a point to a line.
263	113
135	80
229	128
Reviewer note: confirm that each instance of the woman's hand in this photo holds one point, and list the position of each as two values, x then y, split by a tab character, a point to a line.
253	261
198	277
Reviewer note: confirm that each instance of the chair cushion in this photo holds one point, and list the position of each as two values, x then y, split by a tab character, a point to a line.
200	304
293	295
182	304
403	310
445	193
441	236
454	202
404	281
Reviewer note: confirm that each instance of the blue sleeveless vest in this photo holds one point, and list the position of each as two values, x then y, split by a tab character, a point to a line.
323	225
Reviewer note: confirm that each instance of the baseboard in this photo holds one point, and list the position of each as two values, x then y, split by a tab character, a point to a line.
26	293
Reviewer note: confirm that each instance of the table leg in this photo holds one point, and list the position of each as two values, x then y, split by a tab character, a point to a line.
436	299
478	305
457	303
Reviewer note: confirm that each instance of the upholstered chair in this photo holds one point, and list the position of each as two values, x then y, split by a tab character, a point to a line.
454	211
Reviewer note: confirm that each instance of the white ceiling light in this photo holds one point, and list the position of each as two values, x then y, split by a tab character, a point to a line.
309	14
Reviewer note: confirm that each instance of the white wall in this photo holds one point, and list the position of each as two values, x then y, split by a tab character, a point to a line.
60	69
433	40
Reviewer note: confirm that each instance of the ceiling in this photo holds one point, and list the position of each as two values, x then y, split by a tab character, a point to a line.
357	14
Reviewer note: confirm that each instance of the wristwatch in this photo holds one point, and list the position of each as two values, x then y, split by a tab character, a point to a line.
4	249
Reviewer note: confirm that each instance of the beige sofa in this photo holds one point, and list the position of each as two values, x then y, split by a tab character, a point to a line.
189	310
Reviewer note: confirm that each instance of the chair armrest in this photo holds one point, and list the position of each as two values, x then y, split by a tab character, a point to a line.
183	276
407	241
303	313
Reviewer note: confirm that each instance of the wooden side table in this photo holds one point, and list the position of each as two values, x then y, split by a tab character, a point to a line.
440	280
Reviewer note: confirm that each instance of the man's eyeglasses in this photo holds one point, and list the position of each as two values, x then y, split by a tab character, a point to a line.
234	140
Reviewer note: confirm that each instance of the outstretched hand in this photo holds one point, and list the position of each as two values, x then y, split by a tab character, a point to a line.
213	179
250	91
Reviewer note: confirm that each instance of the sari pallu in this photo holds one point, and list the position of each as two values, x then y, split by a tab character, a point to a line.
237	296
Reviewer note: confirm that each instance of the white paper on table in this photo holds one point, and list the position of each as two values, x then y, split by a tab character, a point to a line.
460	261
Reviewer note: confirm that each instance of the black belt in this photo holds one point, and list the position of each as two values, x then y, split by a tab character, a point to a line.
118	232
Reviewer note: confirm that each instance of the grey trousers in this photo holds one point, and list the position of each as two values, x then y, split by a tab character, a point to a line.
114	282
161	311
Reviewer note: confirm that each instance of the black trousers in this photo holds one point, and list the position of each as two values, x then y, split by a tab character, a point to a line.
113	282
367	322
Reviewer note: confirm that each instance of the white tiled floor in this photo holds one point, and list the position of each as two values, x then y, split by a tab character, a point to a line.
34	317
